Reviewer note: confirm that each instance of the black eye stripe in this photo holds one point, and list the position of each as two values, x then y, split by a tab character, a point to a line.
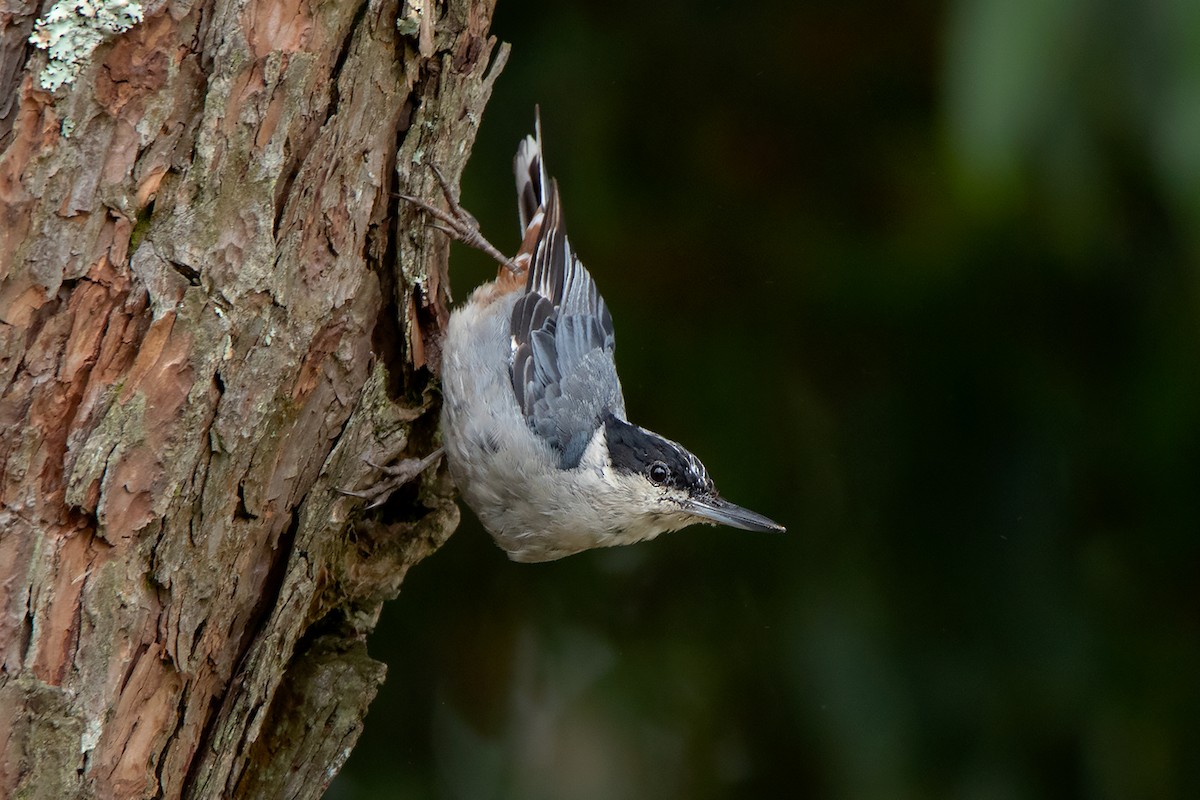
637	451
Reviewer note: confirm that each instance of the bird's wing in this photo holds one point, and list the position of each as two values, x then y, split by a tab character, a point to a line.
563	374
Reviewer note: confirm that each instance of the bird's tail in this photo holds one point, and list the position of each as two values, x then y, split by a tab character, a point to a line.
530	170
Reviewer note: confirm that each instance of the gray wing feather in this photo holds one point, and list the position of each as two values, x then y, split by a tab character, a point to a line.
564	377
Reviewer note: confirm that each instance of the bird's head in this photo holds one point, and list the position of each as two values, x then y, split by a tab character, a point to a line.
664	487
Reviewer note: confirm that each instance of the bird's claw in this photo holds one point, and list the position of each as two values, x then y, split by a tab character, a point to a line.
396	475
459	224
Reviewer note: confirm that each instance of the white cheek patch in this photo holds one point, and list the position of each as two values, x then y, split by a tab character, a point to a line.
595	457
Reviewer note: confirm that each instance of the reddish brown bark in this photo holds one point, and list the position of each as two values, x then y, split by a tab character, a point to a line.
211	306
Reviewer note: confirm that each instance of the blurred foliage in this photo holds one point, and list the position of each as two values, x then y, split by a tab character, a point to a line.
921	282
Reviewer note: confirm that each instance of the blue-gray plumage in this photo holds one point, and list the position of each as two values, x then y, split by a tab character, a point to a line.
536	434
563	371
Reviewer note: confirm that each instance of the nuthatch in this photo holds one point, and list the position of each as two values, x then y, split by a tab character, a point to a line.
533	418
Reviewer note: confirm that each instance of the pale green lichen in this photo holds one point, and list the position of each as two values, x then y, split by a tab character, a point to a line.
410	23
72	30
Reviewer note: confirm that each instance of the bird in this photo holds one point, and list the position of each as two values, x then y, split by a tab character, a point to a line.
534	427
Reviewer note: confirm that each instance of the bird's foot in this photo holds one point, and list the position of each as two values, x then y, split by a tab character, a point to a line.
394	476
457	222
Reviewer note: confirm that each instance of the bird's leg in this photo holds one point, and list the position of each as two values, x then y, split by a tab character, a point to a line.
459	224
396	475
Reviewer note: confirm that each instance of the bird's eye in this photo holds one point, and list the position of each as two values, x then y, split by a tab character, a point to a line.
659	473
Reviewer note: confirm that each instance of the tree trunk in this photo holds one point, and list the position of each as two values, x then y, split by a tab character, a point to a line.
212	307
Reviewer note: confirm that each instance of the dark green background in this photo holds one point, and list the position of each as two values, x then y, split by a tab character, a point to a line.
921	282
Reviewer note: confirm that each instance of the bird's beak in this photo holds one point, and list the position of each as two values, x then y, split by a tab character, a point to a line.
722	512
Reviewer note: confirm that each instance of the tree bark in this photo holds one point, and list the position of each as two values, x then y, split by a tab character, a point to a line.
212	306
